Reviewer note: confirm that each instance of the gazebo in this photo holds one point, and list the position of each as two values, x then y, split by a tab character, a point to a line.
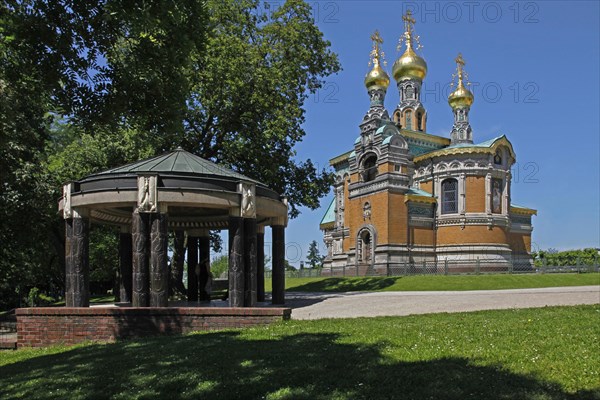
174	191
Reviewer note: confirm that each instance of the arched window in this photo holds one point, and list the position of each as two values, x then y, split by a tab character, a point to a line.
419	121
408	119
449	196
498	158
369	168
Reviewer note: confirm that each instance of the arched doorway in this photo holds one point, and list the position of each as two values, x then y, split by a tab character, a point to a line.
365	245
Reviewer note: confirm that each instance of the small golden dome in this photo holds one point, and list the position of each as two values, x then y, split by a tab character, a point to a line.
409	66
377	78
461	97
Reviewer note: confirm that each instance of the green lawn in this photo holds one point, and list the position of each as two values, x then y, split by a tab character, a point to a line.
549	353
438	282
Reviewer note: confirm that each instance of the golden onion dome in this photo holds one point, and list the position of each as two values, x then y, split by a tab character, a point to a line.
461	96
377	78
409	66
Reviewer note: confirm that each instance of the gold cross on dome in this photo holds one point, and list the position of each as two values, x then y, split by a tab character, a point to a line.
376	53
376	38
409	21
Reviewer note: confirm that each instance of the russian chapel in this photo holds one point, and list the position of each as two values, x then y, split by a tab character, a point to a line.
404	198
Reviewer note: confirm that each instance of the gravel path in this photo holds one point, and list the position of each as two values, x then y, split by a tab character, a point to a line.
372	304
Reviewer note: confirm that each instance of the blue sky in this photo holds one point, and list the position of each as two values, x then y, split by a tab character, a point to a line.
535	73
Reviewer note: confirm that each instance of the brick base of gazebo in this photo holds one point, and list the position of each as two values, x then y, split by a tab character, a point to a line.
37	327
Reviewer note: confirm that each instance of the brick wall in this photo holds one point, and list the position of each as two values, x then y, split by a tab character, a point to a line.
475	234
38	327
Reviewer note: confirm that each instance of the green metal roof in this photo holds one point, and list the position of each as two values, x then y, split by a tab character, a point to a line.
176	162
418	192
330	214
522	207
487	143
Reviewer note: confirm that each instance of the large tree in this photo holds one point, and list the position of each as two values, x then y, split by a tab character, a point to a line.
87	85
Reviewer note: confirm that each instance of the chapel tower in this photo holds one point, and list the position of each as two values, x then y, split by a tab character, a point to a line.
409	71
461	100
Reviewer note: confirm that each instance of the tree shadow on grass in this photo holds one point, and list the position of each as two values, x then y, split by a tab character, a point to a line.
345	285
225	365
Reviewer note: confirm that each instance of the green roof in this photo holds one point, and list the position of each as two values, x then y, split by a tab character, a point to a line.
330	214
522	207
487	143
176	162
418	192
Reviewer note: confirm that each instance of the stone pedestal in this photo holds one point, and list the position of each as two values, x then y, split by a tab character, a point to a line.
278	293
159	270
140	296
77	293
236	262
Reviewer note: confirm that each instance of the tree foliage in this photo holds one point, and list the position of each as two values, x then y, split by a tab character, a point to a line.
571	258
315	260
89	85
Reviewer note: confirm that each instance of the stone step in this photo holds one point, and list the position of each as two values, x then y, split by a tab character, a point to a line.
8	342
7	327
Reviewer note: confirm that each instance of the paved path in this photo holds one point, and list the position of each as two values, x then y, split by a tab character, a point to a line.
360	304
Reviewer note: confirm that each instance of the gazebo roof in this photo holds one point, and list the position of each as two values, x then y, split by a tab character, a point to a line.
177	162
197	193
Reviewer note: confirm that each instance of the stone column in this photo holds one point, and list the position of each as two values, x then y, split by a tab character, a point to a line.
192	264
236	261
437	188
278	294
506	195
77	284
250	264
462	188
140	293
204	266
488	193
125	269
159	269
260	263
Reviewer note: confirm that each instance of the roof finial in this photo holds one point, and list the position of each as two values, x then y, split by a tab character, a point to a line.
377	54
407	37
461	96
461	74
377	77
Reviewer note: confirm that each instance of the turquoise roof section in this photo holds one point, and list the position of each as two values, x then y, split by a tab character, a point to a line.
178	161
522	207
418	192
330	214
487	143
357	141
387	140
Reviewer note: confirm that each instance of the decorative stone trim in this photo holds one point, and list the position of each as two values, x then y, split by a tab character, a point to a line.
147	198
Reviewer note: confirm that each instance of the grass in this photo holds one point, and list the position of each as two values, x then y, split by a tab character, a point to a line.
438	282
550	353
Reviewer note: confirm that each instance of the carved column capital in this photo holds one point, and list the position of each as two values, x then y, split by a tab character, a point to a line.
248	203
147	194
67	210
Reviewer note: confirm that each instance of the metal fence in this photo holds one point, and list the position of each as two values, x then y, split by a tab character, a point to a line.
447	267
